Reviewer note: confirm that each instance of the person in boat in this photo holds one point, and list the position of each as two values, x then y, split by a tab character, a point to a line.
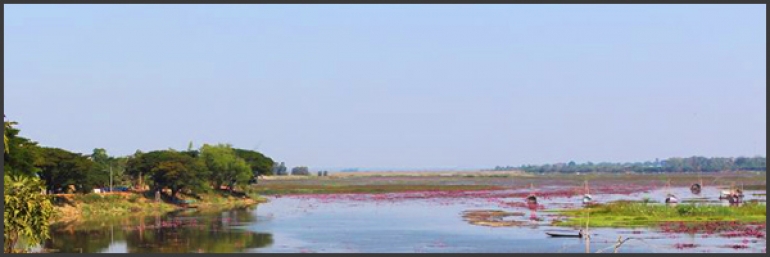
736	197
531	199
587	199
695	188
671	199
739	193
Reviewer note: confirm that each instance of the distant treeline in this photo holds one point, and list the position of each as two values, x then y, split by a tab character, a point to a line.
676	164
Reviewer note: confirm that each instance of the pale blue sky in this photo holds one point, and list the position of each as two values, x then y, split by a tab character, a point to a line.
393	86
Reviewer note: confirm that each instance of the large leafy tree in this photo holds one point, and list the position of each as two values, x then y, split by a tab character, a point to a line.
110	166
169	169
259	163
225	166
21	153
60	168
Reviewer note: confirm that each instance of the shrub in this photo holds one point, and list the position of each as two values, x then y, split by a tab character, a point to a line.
91	198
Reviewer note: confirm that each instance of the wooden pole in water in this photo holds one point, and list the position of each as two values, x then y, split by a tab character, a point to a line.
588	234
620	241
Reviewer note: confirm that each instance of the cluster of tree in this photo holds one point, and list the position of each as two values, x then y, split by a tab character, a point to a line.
194	171
259	163
62	170
300	171
675	164
31	171
323	173
280	169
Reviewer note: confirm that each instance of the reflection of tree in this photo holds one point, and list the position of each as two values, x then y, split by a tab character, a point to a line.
210	234
195	240
85	241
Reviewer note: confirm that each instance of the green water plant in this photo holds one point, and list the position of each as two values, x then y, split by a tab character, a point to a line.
619	214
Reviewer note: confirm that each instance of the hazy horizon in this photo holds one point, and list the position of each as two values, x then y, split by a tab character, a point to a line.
400	86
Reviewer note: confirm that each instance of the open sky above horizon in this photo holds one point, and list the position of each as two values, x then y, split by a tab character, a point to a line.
393	86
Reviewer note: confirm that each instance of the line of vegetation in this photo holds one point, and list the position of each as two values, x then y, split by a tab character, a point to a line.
76	206
625	213
284	189
46	184
674	164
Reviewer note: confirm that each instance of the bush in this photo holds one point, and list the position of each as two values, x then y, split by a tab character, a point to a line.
91	198
685	210
134	198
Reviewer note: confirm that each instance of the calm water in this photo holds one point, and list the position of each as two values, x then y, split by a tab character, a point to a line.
315	224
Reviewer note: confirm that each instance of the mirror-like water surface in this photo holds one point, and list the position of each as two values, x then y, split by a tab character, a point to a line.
377	224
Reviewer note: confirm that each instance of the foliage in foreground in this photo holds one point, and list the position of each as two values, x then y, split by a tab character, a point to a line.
27	213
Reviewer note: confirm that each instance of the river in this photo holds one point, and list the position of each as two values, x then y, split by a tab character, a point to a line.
326	224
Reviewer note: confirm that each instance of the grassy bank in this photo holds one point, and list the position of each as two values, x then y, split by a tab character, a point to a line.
83	207
280	189
620	214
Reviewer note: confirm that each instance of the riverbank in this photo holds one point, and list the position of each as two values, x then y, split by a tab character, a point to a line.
69	208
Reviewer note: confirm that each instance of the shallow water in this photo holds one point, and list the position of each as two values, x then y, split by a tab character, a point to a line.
382	224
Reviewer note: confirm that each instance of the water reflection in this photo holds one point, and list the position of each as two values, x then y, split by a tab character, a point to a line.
184	232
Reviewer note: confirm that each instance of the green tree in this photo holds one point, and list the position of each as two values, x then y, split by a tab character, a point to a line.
27	211
21	153
300	171
259	163
169	169
225	166
60	168
111	166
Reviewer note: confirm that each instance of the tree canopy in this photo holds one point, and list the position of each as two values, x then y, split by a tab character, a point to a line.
225	167
258	162
170	169
60	168
21	154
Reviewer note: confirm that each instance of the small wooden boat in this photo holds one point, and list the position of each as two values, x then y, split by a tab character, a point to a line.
725	194
579	234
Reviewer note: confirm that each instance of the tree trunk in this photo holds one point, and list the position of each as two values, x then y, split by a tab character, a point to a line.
10	242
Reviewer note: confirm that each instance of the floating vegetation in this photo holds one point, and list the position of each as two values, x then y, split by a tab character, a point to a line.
493	218
619	214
